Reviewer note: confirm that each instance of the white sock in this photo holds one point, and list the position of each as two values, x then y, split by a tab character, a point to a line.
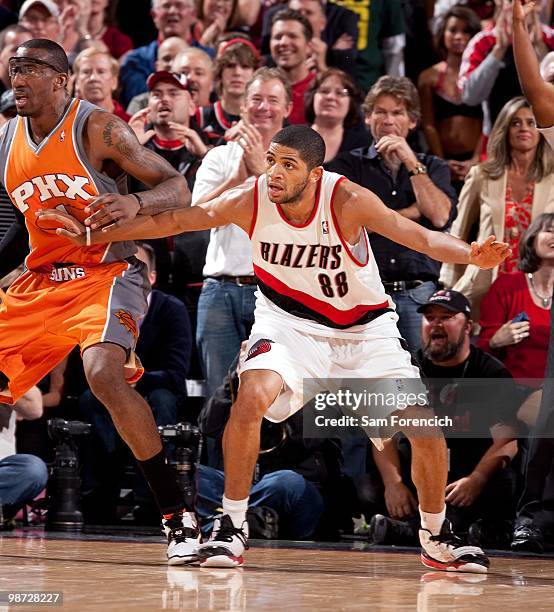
236	509
432	522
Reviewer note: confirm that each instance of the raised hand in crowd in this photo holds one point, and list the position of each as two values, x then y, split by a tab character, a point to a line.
250	139
190	137
510	333
138	123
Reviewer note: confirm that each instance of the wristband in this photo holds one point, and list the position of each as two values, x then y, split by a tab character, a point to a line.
87	230
139	199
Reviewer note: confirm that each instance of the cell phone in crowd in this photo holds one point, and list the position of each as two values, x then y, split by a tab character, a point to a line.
522	316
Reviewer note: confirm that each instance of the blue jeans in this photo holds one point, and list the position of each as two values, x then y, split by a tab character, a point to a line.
409	320
225	317
22	478
296	500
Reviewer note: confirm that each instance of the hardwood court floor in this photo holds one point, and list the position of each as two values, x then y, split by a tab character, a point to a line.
124	574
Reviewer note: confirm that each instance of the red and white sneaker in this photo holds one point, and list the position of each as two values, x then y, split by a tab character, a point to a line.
226	544
447	552
183	538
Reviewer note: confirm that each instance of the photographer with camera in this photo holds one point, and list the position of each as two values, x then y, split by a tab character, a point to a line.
22	477
164	347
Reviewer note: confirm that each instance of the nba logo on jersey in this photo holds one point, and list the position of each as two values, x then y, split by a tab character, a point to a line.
324	227
62	136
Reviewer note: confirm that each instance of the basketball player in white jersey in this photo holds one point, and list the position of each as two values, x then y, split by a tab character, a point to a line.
538	92
321	312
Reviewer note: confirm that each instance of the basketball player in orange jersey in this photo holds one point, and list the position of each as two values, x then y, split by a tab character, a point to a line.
63	152
321	312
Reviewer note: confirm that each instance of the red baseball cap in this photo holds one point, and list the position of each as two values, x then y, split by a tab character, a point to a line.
180	80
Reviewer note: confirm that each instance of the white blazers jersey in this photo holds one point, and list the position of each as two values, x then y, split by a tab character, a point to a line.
310	271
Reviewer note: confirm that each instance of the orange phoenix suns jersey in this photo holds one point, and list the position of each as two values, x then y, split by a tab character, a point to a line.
55	174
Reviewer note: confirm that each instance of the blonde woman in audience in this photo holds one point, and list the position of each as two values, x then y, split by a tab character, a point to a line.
502	196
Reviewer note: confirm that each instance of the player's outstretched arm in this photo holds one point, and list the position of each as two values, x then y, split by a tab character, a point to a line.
363	208
110	141
539	93
235	206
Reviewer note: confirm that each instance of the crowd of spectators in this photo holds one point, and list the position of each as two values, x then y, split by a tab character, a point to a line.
417	100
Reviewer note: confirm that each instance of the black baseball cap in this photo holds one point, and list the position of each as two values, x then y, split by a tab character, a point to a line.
449	299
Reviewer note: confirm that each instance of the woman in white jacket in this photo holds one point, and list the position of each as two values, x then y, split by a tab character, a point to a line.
502	195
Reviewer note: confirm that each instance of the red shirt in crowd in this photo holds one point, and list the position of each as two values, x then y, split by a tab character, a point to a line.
508	296
516	220
298	90
117	42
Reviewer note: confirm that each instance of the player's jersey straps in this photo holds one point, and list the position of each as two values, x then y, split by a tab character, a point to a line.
310	271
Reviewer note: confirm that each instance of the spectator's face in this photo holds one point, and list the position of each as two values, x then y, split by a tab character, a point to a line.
168	51
173	17
389	117
331	100
234	78
288	45
544	245
96	81
456	35
199	75
168	103
314	13
523	135
217	8
41	23
142	255
266	105
12	40
443	333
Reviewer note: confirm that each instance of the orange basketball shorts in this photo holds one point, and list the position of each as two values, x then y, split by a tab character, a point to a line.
44	316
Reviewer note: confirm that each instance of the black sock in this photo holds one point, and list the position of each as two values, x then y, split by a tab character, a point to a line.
162	479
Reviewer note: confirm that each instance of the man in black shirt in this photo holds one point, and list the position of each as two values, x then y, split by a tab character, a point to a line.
166	126
477	392
415	185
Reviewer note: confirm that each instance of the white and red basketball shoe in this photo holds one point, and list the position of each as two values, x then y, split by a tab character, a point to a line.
183	538
226	544
447	552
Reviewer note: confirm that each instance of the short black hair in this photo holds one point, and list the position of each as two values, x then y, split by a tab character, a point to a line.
56	55
309	144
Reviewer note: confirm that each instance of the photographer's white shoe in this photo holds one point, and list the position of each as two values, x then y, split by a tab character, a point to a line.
183	538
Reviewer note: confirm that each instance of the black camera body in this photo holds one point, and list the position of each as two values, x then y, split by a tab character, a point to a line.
187	441
64	485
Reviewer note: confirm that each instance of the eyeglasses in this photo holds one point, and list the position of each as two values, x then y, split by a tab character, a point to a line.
340	93
28	67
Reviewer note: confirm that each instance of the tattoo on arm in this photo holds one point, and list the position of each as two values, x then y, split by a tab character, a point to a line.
168	188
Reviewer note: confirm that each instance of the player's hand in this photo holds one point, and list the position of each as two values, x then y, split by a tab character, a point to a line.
489	254
400	501
510	333
190	137
138	123
522	8
111	209
397	147
71	227
465	491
